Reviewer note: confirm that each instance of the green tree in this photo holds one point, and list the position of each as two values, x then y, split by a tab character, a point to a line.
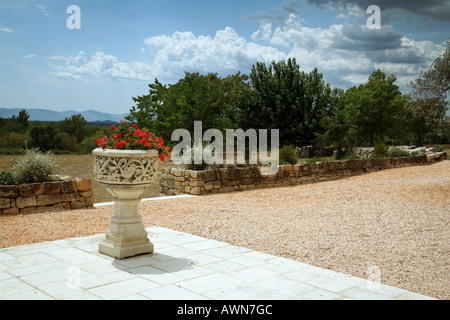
282	97
207	98
428	105
337	127
74	126
43	136
375	109
17	124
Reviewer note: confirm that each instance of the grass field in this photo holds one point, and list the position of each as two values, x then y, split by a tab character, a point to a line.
82	166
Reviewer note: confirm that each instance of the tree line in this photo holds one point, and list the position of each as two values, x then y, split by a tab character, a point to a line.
72	135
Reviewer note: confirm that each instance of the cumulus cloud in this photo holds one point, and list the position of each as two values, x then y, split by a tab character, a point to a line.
224	53
171	56
100	65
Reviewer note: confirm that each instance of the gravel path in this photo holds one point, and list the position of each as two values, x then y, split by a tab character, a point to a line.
394	221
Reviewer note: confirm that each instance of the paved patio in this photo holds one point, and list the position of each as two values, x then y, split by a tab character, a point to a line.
183	267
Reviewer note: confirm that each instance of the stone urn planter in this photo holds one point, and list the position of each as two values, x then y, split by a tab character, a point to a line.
125	174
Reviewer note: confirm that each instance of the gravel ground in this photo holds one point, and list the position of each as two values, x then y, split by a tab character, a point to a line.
395	221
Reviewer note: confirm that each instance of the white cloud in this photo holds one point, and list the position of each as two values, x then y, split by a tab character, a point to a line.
100	65
29	56
42	8
263	33
171	56
6	30
224	53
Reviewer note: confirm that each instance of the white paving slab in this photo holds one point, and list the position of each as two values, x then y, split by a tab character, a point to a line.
183	267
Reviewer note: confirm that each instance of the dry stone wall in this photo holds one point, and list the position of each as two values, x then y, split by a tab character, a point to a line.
178	181
67	193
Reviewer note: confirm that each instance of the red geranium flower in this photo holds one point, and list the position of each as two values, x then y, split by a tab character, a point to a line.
126	136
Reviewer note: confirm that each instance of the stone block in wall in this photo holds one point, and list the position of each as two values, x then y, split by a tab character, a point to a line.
197	174
5	203
177	185
163	183
75	205
196	183
9	191
31	189
226	189
167	177
70	196
209	175
27	210
52	187
312	167
69	186
222	174
11	211
209	186
86	194
235	174
89	202
84	185
195	191
341	165
48	199
176	172
22	202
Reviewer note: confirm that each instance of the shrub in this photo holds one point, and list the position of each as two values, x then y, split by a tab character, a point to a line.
196	166
34	166
380	150
397	153
438	148
6	178
288	155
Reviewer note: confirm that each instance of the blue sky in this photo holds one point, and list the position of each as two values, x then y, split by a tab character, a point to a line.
123	46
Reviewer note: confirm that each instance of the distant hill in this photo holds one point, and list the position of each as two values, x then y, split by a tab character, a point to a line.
50	115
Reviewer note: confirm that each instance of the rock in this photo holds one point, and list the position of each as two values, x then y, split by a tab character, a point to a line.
69	186
52	187
31	189
84	185
48	199
9	191
25	202
5	203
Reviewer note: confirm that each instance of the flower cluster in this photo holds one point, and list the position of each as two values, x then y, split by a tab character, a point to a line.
128	136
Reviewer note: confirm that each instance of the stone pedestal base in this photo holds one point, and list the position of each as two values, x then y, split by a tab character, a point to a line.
126	236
